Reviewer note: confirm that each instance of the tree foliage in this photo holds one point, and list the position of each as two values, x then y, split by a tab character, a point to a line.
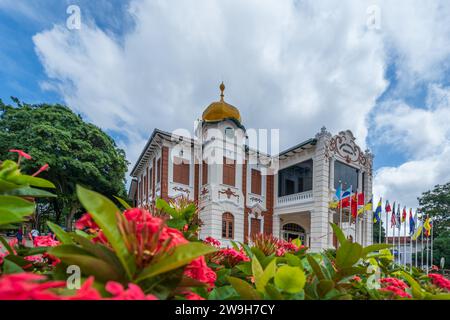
76	151
436	203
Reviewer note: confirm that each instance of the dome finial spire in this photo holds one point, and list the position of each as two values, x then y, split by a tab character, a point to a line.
222	88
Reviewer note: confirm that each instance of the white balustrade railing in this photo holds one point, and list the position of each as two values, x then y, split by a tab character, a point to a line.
295	198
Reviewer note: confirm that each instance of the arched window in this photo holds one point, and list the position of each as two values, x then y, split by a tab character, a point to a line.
227	226
293	231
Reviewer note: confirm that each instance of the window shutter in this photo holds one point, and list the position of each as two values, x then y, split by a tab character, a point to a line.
255	227
181	171
256	181
158	172
204	173
229	172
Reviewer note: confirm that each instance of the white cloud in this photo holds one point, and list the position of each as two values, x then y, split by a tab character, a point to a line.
425	135
293	65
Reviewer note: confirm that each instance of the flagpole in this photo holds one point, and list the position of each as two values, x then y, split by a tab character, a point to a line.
410	240
421	248
404	243
427	253
398	226
350	212
387	226
340	205
432	225
417	227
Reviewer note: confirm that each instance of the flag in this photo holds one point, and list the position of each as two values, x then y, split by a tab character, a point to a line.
377	213
427	226
347	193
354	208
387	207
412	223
417	232
404	214
393	220
338	192
336	198
398	218
366	207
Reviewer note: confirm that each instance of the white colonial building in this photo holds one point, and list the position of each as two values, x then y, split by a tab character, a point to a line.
241	191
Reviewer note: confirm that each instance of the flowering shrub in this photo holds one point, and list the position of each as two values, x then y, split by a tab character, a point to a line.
154	253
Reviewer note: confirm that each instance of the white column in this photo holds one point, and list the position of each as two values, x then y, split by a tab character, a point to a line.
320	227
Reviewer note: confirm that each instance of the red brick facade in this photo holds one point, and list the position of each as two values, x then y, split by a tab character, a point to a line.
268	215
165	173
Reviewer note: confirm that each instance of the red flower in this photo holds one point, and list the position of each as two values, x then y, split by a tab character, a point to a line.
45	241
86	222
21	154
229	257
86	292
199	270
43	168
395	286
356	278
134	292
189	295
213	242
395	291
28	286
440	281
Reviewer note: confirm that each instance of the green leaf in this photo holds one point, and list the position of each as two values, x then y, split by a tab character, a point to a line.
123	203
297	242
273	292
416	290
245	267
16	205
222	293
60	234
14	209
348	254
89	265
104	211
181	256
268	274
235	245
100	251
257	270
339	234
244	289
292	260
32	181
375	247
290	279
176	223
316	268
10	267
6	185
30	192
164	206
324	286
6	245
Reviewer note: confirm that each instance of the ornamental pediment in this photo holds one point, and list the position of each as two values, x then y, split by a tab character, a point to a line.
344	148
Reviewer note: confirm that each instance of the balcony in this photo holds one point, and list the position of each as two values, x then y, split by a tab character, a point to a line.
294	199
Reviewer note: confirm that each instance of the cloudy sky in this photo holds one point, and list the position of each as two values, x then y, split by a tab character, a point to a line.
378	68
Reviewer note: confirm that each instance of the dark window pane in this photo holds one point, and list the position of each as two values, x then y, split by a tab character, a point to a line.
295	179
346	175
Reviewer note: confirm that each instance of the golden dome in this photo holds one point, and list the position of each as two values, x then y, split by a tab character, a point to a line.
220	110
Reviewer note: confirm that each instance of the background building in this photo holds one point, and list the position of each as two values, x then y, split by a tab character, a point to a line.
239	190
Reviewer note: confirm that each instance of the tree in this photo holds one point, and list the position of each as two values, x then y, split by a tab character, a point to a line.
436	204
376	230
76	152
441	249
